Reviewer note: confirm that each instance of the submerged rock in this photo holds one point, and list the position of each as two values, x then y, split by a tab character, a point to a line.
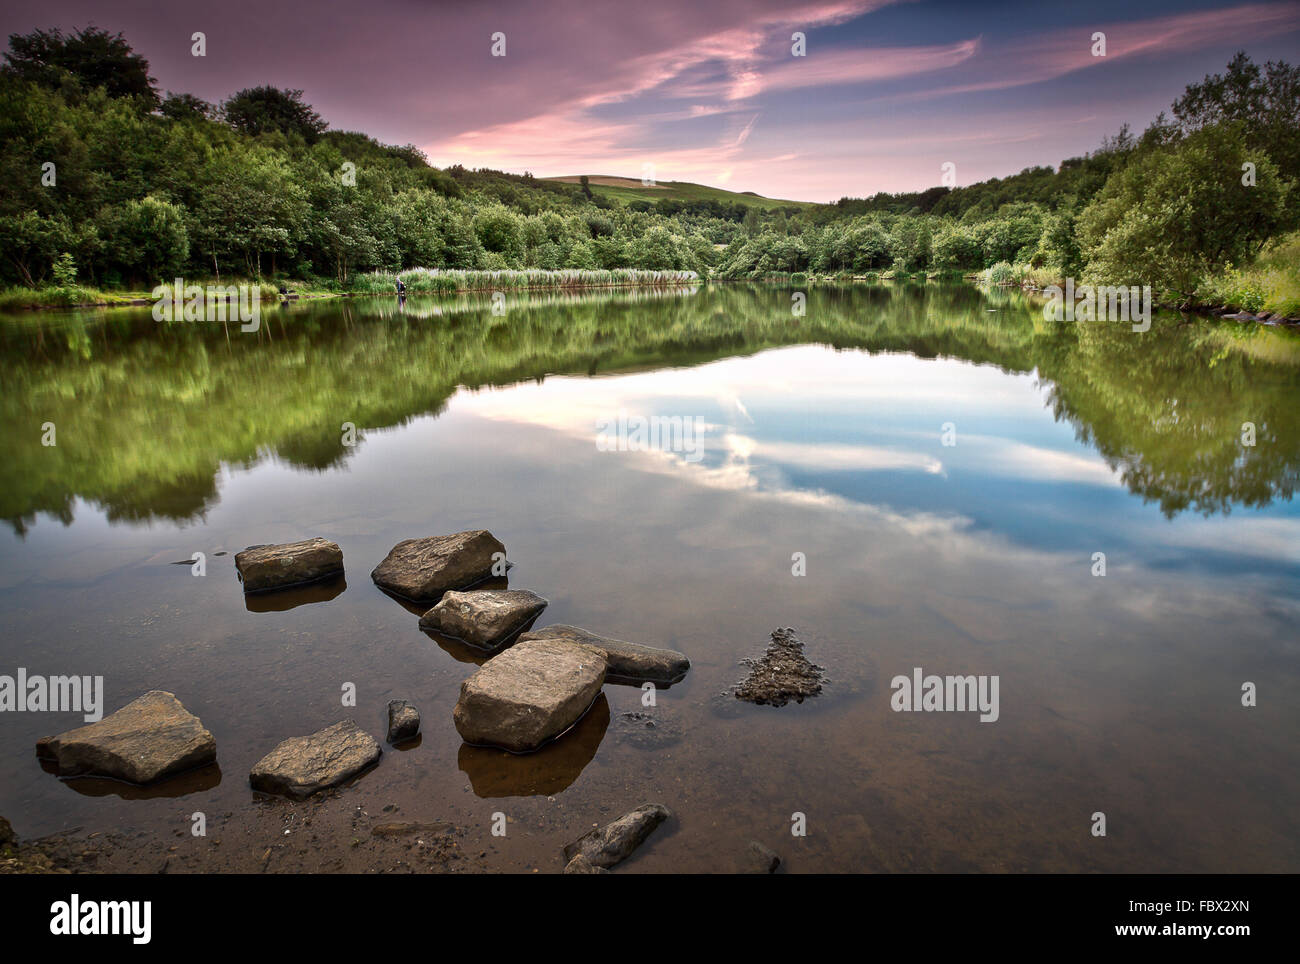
781	674
423	569
403	721
291	564
486	618
607	845
758	859
150	738
7	835
649	731
581	865
528	695
410	828
626	662
303	765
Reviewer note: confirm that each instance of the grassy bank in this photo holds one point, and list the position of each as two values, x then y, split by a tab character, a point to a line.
1269	287
81	296
62	296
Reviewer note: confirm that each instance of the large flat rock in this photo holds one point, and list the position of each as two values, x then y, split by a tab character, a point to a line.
626	662
486	618
290	564
529	694
423	569
150	738
303	765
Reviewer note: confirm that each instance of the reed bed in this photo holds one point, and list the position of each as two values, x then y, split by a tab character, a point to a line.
450	280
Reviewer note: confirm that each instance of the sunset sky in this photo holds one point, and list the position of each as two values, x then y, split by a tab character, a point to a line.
707	90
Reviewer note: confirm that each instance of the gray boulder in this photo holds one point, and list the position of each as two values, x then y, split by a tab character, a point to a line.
291	564
423	569
303	765
403	721
605	846
147	740
528	695
486	618
627	662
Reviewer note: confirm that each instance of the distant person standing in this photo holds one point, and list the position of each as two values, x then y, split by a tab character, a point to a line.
401	289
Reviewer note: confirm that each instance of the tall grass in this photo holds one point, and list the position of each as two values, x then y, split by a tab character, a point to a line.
1271	284
450	280
56	296
1020	273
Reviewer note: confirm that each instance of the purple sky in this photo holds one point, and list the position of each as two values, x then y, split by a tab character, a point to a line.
707	90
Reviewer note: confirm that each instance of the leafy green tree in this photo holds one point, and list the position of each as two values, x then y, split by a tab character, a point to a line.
262	110
90	56
955	248
1265	102
871	246
1058	245
1173	216
146	240
500	231
187	107
252	207
31	242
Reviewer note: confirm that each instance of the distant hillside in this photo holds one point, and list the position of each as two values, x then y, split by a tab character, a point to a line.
626	189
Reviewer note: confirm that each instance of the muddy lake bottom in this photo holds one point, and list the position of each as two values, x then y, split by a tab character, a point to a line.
821	437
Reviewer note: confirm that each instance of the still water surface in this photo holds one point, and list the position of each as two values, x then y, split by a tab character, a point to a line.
823	436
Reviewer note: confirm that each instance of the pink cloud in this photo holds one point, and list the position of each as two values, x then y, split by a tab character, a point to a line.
1050	56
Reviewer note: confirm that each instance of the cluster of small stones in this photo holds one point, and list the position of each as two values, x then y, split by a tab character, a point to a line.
537	686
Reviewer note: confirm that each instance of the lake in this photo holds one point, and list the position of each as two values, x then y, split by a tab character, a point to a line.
941	463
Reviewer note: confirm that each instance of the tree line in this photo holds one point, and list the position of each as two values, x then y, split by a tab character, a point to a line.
111	183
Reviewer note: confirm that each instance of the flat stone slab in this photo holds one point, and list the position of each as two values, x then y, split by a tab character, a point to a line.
486	618
423	569
147	740
529	694
627	662
290	564
781	674
303	765
605	846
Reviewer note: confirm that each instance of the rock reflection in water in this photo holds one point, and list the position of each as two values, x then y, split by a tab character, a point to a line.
282	600
553	768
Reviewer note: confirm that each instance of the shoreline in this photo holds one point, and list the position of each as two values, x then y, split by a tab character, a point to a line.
1212	312
328	295
1209	312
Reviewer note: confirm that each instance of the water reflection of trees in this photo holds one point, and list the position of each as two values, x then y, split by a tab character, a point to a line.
146	414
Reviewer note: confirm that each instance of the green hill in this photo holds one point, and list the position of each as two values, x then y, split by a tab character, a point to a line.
626	189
